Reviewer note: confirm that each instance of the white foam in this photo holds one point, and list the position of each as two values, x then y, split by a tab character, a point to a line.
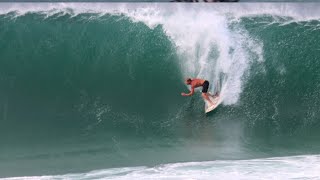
207	47
291	167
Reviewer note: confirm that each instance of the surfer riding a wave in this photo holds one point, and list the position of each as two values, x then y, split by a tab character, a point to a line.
198	83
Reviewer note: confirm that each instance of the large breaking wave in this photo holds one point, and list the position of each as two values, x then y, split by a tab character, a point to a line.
104	83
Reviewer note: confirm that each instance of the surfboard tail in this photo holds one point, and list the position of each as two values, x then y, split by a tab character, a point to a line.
215	100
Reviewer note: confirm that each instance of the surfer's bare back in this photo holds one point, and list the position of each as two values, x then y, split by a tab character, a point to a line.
198	83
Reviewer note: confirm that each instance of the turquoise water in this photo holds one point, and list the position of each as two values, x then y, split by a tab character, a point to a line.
95	86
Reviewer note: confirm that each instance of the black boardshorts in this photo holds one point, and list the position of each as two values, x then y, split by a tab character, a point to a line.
205	86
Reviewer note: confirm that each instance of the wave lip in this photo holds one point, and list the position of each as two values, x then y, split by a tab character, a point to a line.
298	11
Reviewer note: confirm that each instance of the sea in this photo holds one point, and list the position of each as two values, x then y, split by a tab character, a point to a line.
93	91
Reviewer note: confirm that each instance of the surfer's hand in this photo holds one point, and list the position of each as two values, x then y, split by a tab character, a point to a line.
183	94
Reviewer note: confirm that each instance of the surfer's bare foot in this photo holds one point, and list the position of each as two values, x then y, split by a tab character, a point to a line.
215	95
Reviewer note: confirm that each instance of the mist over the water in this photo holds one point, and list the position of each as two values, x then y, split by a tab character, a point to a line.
94	86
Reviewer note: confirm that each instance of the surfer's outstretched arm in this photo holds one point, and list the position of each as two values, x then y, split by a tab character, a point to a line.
189	94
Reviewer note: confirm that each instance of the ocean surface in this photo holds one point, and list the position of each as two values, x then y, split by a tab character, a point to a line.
92	91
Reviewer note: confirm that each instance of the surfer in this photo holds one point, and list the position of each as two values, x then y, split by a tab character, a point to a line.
198	83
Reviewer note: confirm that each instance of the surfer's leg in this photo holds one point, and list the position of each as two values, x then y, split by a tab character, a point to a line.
206	97
205	94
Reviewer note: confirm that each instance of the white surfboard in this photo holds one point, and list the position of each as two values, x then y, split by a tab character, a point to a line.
216	101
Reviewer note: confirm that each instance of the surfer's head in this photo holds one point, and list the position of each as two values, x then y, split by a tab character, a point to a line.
188	81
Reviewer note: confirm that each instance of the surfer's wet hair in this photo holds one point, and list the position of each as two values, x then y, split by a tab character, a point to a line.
188	80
